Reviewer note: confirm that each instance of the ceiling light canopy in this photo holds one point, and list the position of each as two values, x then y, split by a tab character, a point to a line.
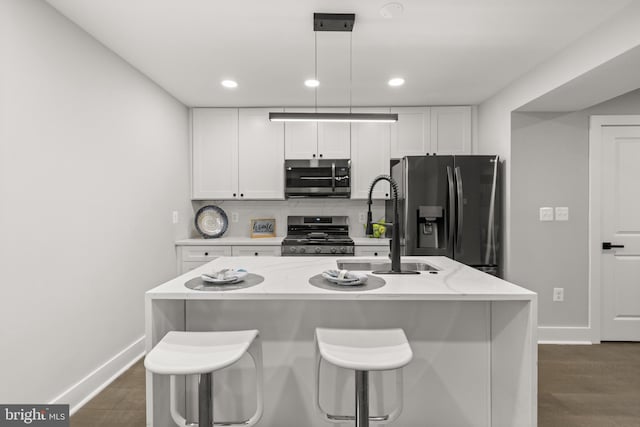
396	81
332	22
229	84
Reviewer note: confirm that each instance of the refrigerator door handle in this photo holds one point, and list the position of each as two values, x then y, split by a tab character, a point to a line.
452	204
460	208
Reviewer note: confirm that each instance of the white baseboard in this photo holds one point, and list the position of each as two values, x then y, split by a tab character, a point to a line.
565	335
87	388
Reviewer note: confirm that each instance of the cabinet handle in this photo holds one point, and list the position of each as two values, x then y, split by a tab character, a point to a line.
256	254
241	194
375	254
320	155
206	254
386	194
314	156
234	194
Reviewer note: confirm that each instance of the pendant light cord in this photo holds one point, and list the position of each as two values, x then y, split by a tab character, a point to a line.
315	72
350	67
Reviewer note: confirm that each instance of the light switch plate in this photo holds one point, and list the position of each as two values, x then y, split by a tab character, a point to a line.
546	214
234	217
175	217
562	213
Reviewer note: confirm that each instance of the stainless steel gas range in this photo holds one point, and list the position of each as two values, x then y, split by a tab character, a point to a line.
317	236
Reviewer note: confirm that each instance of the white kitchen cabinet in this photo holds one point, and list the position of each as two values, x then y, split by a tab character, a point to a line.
316	140
214	153
190	257
260	154
256	250
372	251
411	134
237	154
451	130
370	155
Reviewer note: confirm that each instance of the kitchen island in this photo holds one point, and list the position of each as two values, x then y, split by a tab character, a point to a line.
473	338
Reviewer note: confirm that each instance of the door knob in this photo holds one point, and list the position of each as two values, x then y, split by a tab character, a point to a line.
608	245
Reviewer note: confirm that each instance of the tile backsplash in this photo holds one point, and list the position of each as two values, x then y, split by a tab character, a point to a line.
280	209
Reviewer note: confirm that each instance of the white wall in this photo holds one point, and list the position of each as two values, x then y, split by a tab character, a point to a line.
249	209
93	160
611	39
550	157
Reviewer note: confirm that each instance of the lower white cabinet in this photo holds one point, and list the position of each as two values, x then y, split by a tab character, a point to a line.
190	257
256	251
372	251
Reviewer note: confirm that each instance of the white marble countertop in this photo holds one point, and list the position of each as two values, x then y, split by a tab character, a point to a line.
265	241
231	241
286	278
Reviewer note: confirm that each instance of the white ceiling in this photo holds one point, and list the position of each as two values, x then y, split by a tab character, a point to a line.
449	51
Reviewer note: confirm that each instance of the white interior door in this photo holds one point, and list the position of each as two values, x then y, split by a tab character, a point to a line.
620	226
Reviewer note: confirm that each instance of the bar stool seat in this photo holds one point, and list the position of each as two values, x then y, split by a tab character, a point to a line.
189	353
202	353
362	350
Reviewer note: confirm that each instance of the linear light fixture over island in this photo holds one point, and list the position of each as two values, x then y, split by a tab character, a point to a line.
333	117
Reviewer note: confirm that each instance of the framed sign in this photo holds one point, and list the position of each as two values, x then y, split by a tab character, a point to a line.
263	227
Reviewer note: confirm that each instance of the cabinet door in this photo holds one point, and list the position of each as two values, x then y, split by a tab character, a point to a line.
372	251
451	130
300	138
256	251
261	155
191	257
334	138
410	135
214	153
369	156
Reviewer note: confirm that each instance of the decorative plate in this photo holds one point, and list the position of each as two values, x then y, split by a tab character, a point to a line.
211	221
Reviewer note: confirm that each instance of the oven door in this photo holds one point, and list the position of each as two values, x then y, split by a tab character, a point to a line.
317	178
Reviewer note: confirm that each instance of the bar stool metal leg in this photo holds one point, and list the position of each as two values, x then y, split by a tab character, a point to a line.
362	398
205	400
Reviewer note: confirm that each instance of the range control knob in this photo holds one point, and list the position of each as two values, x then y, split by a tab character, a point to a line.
292	249
318	250
343	250
302	250
334	250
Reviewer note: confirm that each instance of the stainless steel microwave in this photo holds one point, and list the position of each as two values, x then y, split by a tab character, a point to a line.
318	178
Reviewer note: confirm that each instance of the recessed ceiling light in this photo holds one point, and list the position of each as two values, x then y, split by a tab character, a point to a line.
397	81
391	10
229	83
311	83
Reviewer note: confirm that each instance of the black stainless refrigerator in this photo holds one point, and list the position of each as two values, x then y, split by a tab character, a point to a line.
450	206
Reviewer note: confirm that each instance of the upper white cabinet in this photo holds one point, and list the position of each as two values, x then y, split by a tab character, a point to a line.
451	130
431	130
411	134
311	140
214	153
237	154
261	154
370	155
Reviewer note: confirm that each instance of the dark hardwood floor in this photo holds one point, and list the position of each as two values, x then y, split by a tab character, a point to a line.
578	386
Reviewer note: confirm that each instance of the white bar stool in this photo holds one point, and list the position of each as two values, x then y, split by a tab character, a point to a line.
362	350
202	353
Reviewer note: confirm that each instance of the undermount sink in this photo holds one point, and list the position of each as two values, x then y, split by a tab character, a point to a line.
381	265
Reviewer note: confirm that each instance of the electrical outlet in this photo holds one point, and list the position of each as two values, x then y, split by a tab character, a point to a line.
546	214
235	217
558	294
362	217
562	214
175	217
